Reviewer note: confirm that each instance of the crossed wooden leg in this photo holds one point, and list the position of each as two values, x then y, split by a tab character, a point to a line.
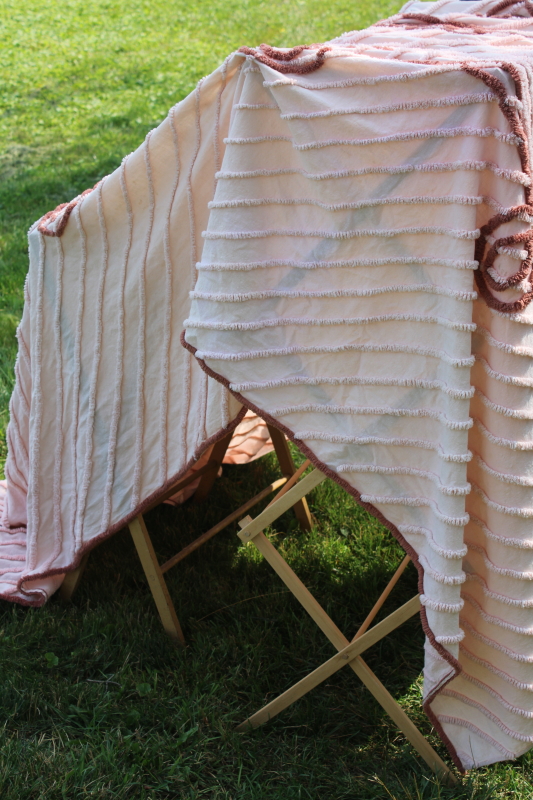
349	653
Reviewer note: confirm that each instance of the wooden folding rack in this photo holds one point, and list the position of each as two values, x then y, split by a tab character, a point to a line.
349	652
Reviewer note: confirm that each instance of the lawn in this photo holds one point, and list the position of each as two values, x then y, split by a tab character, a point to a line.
94	699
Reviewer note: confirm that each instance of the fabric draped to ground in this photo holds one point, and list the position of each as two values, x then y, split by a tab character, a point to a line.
345	234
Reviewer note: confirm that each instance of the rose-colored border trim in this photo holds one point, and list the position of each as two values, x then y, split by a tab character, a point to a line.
447	24
67	209
384	521
283	55
148	503
507	4
483	279
276	59
431	20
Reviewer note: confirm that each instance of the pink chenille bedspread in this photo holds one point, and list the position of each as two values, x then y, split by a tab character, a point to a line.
342	237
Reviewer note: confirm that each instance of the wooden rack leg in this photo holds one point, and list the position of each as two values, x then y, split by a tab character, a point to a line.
398	715
204	537
72	580
334	664
157	584
301	509
339	641
217	456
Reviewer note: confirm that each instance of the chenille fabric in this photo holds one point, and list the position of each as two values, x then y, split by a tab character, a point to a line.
344	233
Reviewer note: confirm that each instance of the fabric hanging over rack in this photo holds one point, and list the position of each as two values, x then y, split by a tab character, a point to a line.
353	222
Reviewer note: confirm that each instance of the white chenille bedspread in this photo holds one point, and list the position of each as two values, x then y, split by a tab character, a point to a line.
345	232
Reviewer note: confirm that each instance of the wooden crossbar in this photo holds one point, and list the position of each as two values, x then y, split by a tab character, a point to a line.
301	509
154	571
190	548
349	653
216	458
271	513
292	480
381	599
72	580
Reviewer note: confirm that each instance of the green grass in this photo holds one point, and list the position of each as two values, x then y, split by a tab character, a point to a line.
94	700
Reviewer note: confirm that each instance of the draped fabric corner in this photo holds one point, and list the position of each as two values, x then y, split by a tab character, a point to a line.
108	409
344	232
365	283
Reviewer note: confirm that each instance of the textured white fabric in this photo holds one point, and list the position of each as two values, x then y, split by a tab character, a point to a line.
108	408
349	236
336	294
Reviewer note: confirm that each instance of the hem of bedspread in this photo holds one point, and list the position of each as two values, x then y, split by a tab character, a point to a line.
145	505
384	521
21	601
